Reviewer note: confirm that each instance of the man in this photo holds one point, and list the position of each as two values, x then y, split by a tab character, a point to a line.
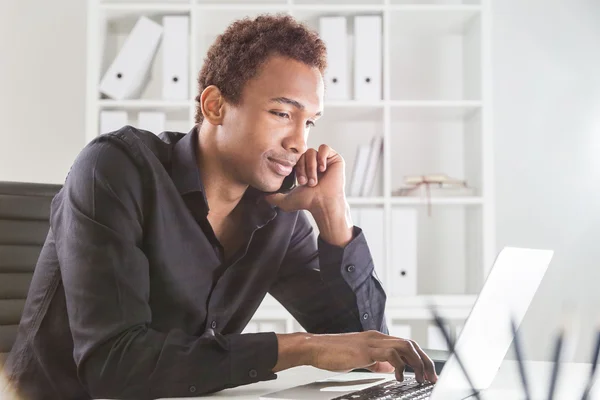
161	249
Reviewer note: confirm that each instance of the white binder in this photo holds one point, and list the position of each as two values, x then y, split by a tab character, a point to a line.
128	74
371	222
435	338
333	31
152	121
404	252
367	58
403	331
175	45
112	120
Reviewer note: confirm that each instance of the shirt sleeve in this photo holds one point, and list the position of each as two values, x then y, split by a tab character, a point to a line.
97	221
327	288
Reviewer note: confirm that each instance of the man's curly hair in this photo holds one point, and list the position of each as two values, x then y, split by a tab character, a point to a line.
238	53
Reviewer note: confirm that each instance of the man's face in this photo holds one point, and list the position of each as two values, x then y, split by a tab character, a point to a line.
277	109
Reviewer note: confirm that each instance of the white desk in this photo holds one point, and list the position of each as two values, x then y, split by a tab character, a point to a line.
507	384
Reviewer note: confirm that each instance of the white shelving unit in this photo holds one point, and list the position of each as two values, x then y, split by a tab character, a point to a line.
435	116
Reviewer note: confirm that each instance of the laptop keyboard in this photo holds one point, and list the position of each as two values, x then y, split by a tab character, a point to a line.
410	389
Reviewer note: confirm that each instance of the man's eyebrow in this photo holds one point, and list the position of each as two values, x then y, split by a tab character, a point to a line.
297	104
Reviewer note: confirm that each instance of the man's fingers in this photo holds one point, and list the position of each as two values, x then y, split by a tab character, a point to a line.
311	166
428	364
381	367
301	170
390	355
408	353
323	154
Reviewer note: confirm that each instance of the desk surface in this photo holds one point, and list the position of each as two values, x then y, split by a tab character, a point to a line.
507	384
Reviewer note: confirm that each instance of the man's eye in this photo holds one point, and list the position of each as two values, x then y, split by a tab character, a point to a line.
310	124
280	114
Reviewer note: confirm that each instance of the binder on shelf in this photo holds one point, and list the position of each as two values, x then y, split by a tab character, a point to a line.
371	222
333	31
175	45
359	170
403	331
272	326
404	252
368	46
129	73
372	165
152	121
252	327
435	338
112	120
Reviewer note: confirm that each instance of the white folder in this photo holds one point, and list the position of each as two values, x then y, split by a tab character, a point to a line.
112	120
403	331
252	327
175	44
355	214
128	74
403	279
367	58
333	31
435	338
371	222
152	121
272	326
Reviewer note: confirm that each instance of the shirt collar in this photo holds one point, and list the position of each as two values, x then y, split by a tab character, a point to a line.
186	177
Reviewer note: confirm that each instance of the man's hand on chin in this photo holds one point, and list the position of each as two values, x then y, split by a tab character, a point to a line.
321	178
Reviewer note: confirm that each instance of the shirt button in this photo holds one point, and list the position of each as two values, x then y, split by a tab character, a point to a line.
350	268
365	315
213	324
252	373
192	389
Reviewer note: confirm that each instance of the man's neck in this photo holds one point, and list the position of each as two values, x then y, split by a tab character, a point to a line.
223	194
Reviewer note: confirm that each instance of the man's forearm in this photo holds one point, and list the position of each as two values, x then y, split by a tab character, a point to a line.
294	349
334	222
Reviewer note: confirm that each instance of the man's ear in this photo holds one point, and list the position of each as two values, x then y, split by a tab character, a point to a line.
213	105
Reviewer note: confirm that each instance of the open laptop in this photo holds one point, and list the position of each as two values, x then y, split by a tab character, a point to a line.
481	346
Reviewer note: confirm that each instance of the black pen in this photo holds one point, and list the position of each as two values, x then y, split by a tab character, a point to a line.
520	359
590	383
556	360
449	342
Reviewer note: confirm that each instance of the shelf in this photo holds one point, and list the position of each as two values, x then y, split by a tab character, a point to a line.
365	200
433	19
144	104
412	307
134	9
353	104
434	110
459	201
452	307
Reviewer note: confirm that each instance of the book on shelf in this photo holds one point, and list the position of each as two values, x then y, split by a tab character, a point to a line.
365	167
433	185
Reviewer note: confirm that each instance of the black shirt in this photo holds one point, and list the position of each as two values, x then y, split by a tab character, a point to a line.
131	296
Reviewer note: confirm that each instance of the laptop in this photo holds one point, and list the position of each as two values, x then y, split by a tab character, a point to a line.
481	347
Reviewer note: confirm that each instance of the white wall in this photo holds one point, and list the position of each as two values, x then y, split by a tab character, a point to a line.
547	159
42	88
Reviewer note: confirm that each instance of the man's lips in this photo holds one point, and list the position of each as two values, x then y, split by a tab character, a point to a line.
282	167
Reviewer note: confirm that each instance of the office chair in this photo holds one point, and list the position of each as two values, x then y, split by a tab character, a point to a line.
24	224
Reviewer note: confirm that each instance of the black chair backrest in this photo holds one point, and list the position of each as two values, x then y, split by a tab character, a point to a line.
24	224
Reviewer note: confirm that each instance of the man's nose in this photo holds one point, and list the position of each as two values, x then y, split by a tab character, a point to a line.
296	139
